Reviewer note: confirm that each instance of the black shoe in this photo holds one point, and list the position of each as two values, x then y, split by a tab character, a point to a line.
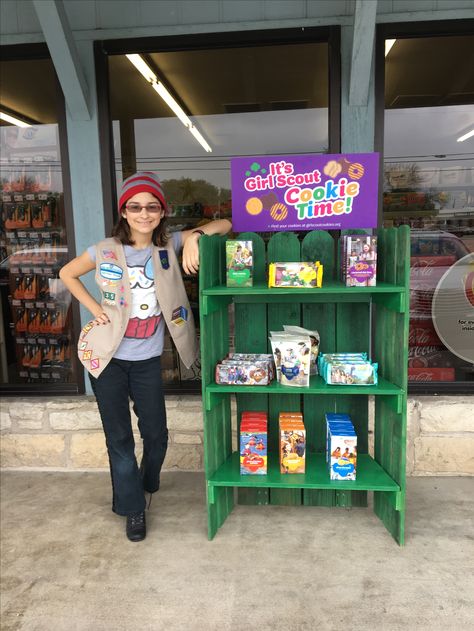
136	527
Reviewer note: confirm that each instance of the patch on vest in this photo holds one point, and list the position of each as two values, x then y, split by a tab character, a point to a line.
82	346
94	364
179	316
87	328
86	355
164	260
110	271
109	254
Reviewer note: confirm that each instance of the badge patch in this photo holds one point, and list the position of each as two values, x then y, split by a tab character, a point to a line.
109	254
179	316
83	346
87	328
111	271
86	355
109	295
109	283
94	364
164	259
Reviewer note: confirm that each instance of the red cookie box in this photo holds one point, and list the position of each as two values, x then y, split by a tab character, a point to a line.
430	374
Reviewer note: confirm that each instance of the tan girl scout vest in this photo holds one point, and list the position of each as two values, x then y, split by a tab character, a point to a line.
98	342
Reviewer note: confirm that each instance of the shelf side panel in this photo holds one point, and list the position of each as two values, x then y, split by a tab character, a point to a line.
214	338
283	246
391	345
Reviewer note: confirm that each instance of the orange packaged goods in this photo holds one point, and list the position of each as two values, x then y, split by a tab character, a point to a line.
292	442
253	443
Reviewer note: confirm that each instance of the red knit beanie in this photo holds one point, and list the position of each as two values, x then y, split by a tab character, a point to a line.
142	182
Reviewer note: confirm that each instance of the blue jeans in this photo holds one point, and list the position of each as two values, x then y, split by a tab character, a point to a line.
141	381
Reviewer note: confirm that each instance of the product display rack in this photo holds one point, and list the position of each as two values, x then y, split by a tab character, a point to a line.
349	319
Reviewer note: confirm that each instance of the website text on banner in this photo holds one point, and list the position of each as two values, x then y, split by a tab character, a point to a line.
305	192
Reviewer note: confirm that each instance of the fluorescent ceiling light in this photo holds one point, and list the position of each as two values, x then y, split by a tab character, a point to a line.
388	45
466	136
14	121
172	103
142	68
195	132
159	87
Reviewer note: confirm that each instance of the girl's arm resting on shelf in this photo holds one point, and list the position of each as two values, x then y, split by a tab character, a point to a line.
70	274
191	238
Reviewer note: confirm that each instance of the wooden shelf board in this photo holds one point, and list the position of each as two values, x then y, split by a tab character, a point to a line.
329	287
370	476
317	386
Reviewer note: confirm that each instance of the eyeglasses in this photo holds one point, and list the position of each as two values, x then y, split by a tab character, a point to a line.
150	208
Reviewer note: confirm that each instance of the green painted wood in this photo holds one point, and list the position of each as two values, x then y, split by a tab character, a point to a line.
338	291
392	348
283	246
344	325
370	476
214	345
251	337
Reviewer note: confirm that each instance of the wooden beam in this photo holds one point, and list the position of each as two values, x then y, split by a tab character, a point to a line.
362	51
61	44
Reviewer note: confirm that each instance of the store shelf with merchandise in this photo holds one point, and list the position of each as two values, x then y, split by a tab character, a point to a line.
349	319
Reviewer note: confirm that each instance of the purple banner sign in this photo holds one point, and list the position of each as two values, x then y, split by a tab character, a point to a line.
305	192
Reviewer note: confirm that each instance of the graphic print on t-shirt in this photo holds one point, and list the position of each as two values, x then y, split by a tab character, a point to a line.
145	312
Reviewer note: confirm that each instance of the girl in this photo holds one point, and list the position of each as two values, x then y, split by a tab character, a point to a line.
141	289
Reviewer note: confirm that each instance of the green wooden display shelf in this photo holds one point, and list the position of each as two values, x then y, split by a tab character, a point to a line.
391	295
370	476
370	319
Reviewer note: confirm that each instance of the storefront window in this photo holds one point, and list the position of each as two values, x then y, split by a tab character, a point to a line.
429	184
36	327
254	100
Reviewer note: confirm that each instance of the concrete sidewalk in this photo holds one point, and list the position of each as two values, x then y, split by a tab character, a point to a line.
67	565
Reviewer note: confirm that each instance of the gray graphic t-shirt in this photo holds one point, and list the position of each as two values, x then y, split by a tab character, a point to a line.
145	331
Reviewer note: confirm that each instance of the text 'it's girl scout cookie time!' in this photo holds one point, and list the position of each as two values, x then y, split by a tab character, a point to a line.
295	274
239	260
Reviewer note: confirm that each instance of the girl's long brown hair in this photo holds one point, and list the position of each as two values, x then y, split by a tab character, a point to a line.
121	231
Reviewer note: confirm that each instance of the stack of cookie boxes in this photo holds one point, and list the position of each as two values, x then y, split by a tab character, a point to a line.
253	443
341	451
292	442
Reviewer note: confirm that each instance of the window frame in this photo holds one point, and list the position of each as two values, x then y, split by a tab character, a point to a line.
103	48
33	52
407	30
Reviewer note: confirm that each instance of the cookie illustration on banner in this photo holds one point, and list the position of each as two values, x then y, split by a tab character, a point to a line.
332	168
355	171
268	200
278	212
254	206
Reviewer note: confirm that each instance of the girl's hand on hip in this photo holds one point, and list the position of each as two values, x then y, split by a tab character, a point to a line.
101	318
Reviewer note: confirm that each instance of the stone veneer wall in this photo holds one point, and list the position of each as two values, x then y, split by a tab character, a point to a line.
66	434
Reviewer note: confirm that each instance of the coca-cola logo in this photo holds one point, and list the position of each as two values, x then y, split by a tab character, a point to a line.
422	376
422	351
